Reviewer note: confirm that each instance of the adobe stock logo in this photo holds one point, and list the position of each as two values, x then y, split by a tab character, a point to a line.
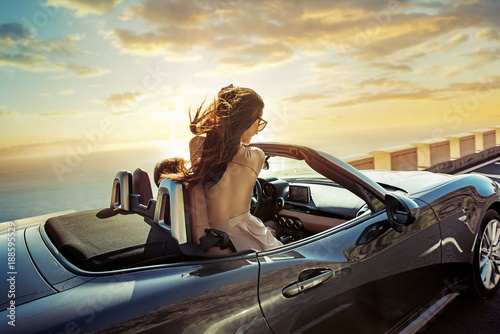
39	19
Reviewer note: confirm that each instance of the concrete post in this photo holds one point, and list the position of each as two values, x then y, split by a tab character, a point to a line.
396	158
462	145
497	134
433	151
361	161
485	138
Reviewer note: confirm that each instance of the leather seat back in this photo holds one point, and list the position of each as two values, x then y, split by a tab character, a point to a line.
142	186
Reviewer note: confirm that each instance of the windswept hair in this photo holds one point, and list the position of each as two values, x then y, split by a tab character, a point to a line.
223	122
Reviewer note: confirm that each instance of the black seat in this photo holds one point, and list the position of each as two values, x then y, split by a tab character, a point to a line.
141	186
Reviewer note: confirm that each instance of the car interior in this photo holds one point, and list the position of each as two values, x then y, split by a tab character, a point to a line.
138	229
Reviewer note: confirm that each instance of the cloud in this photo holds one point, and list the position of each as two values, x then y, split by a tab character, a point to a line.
12	34
256	55
484	55
123	99
75	37
445	47
161	41
481	56
57	47
322	66
392	67
485	10
383	82
489	34
31	62
307	97
180	58
362	98
429	70
177	42
405	32
15	37
125	112
25	51
62	113
191	24
6	44
6	113
85	7
173	12
487	83
14	31
83	71
454	42
452	71
66	92
366	31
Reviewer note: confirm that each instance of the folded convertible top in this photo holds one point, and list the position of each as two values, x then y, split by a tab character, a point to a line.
109	239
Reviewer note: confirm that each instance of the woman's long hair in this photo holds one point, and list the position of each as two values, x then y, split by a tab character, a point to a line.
223	122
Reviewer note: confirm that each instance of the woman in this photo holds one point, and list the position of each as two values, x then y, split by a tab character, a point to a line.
227	167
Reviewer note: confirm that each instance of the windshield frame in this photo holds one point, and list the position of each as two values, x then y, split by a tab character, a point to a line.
333	169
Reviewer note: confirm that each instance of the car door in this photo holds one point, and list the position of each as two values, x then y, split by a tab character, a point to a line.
213	295
362	276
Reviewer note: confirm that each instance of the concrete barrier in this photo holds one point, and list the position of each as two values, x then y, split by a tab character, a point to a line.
431	152
485	138
497	134
361	161
443	155
461	145
464	162
396	158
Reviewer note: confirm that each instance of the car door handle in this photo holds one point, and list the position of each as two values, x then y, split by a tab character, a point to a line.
301	286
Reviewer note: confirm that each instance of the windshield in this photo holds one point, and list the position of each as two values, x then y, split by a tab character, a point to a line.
291	170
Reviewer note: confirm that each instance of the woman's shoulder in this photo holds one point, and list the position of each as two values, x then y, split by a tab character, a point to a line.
255	151
250	156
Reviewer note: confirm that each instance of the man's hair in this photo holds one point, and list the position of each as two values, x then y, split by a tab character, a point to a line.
172	168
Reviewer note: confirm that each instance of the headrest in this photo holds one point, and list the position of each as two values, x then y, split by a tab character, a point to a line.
170	204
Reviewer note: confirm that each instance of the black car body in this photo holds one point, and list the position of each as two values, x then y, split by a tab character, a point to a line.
371	251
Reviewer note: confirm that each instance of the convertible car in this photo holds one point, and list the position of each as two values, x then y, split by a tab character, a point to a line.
363	251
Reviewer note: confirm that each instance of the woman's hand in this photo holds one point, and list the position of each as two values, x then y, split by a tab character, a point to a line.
273	232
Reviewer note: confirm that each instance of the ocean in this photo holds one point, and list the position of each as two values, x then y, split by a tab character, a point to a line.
36	186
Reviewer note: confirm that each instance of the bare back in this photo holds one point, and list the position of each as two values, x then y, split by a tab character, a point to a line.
231	196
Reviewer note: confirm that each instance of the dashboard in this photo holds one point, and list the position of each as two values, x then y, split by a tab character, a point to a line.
305	207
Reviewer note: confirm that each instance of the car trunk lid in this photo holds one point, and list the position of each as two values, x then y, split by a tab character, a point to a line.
24	282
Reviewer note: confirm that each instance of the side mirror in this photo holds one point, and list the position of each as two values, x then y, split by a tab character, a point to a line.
265	165
401	211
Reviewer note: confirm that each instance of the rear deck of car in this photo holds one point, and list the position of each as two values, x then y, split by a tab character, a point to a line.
110	239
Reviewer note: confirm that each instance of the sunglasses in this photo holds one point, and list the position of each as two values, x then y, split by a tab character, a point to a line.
262	124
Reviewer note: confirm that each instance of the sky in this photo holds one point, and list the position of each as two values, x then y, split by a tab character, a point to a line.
344	76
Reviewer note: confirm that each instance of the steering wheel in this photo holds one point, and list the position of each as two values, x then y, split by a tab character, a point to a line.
256	203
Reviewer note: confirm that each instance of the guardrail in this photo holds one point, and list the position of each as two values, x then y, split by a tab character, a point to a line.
441	155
